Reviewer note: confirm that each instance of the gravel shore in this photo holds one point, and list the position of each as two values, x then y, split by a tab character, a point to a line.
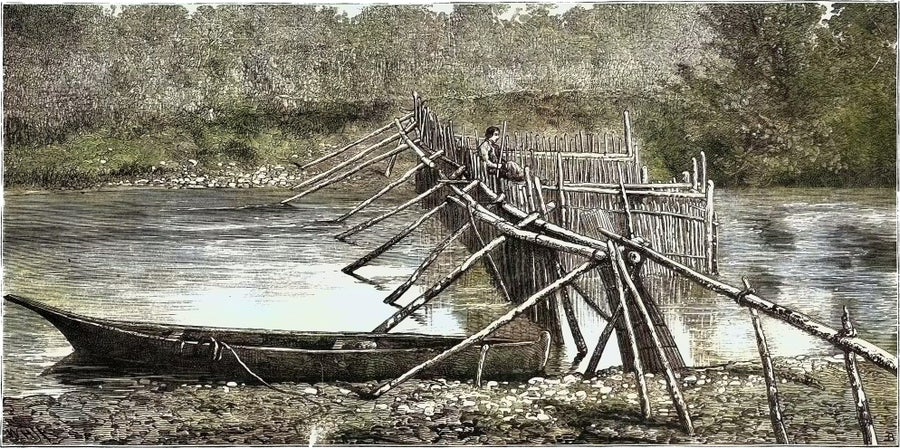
727	404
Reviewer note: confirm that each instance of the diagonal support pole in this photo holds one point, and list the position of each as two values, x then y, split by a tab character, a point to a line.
350	172
445	282
347	162
405	177
562	294
396	238
431	258
671	382
354	143
491	328
863	414
601	343
629	330
371	222
775	413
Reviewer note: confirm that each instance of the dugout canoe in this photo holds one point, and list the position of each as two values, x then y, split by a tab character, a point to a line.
280	355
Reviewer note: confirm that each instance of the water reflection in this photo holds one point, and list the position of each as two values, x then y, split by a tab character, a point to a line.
234	259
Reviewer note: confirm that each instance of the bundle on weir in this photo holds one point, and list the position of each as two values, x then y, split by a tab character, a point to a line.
569	228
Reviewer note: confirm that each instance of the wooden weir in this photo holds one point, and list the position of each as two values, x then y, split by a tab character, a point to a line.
575	239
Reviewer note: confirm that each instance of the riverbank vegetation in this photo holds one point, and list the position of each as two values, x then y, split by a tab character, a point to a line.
775	94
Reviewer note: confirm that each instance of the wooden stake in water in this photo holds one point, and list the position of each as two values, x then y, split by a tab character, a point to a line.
771	383
859	394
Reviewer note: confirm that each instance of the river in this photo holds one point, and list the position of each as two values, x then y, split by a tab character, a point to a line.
234	258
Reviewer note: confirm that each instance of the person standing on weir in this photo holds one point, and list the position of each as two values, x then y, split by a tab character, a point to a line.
490	153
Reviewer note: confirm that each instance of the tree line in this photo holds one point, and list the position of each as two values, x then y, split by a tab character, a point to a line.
772	93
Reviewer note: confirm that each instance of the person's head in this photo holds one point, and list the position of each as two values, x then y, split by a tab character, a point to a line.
492	133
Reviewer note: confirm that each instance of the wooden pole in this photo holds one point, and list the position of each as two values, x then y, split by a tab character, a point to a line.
490	260
775	414
704	175
396	238
400	181
563	293
859	394
369	223
356	142
345	163
710	212
695	181
413	145
491	328
671	382
441	285
629	222
629	146
481	358
796	319
390	166
601	343
342	176
630	330
560	194
432	256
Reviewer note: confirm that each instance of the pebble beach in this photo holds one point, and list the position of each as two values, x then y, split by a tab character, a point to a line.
727	405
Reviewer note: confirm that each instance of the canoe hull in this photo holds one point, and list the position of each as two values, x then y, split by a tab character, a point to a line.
239	354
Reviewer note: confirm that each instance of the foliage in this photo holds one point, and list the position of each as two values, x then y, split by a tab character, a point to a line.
769	92
789	100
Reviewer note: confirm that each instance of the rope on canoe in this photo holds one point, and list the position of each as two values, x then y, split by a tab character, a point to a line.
264	382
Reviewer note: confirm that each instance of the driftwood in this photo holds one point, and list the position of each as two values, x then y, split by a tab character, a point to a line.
859	394
775	414
671	382
400	181
490	328
356	142
399	236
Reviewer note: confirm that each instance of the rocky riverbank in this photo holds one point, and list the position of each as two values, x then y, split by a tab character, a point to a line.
727	404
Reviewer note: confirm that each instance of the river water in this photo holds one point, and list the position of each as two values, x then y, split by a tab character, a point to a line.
234	258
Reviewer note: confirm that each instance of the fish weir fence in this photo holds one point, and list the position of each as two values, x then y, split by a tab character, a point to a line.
583	197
